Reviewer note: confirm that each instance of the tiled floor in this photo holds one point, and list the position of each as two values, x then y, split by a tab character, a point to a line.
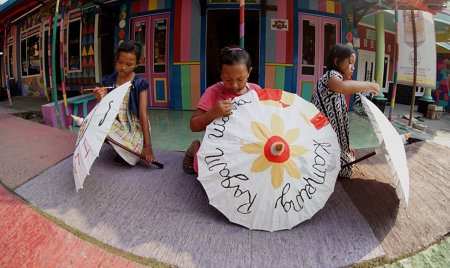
362	136
170	130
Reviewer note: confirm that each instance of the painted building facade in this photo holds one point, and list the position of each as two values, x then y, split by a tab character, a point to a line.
288	42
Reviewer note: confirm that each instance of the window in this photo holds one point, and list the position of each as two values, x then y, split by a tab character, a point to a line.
140	37
309	47
74	46
159	49
329	41
10	62
29	52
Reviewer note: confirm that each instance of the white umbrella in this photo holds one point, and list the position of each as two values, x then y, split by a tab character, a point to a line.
272	163
391	146
93	131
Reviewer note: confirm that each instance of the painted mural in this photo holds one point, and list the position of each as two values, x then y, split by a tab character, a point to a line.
122	30
33	87
87	76
441	94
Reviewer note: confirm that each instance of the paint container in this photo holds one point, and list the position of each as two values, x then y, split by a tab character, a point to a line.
419	126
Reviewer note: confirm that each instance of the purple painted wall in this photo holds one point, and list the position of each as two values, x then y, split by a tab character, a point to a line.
49	114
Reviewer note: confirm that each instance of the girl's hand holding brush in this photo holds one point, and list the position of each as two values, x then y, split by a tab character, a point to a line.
100	93
376	90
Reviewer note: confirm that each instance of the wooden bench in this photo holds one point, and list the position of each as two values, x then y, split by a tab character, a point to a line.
77	102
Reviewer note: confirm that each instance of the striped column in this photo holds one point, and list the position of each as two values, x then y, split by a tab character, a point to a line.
241	22
61	62
394	87
49	51
55	88
5	41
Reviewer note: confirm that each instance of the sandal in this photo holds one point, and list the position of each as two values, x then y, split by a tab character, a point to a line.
188	167
118	160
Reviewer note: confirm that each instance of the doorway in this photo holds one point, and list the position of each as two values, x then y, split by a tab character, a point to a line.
13	87
46	59
385	84
223	31
366	67
152	32
316	36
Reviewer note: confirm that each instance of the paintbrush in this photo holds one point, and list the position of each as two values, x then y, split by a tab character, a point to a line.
219	94
378	78
95	89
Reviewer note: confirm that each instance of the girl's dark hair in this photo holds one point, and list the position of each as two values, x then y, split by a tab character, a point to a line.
130	46
341	52
232	55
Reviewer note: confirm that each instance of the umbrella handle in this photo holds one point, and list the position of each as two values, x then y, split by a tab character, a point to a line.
359	159
133	152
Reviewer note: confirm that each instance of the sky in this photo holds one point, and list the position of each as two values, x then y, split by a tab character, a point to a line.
2	1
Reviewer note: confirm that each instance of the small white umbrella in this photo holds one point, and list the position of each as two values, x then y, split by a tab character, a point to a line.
272	163
391	146
93	131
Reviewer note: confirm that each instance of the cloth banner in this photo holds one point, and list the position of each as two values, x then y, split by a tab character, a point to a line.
426	49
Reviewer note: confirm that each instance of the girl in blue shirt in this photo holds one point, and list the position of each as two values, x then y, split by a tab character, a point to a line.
131	127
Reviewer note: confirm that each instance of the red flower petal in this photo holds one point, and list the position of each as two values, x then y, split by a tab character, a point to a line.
319	121
269	94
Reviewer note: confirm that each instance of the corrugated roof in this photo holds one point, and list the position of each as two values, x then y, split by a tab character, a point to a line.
9	4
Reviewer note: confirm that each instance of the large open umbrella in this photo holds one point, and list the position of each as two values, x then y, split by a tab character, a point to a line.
93	131
391	146
272	163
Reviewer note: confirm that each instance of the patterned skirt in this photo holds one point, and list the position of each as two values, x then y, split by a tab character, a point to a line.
346	157
126	129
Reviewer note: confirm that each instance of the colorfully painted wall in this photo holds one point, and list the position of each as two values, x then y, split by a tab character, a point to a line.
88	50
30	86
321	5
280	48
149	5
33	86
280	67
441	93
186	90
186	56
122	31
36	85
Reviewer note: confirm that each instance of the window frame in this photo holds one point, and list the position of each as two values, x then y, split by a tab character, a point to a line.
8	57
26	32
68	41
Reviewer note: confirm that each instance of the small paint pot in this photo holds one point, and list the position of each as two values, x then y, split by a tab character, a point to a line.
419	126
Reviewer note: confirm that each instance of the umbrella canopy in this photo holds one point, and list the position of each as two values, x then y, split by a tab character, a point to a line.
391	146
272	163
93	131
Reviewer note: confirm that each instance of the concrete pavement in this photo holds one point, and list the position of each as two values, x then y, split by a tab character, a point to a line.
44	232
